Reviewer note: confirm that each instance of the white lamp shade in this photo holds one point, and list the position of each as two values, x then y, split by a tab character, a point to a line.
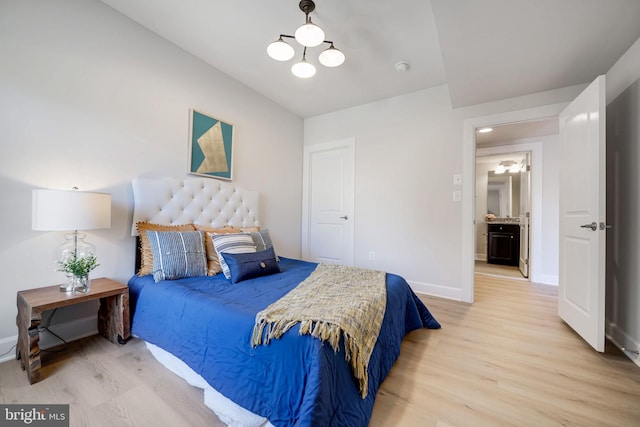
303	69
331	57
58	210
280	50
309	34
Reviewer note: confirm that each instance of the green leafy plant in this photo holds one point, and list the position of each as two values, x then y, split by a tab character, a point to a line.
79	267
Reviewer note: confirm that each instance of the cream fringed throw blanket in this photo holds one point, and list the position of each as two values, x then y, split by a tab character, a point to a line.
334	301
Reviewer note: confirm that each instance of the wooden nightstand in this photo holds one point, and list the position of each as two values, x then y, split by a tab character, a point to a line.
113	317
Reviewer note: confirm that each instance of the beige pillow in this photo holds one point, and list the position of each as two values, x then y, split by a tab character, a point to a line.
146	258
213	263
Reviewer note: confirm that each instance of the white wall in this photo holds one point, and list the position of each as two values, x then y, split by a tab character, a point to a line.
482	181
550	244
623	202
406	153
407	150
92	99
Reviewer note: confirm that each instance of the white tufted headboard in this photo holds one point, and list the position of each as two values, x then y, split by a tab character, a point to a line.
202	201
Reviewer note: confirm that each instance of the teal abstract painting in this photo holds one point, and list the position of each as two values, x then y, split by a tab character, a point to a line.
210	143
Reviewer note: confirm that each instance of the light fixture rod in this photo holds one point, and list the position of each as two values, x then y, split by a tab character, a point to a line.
293	37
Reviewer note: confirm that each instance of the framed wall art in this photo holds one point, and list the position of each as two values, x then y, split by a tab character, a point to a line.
210	146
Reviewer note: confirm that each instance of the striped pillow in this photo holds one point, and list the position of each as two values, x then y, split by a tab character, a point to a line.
146	255
177	254
232	244
213	260
262	240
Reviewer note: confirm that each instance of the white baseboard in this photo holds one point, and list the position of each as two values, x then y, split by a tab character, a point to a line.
436	290
546	279
69	331
623	341
7	346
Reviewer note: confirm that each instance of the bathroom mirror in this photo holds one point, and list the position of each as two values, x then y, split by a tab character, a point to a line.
503	194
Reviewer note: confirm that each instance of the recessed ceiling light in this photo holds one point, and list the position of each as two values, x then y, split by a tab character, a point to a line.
485	130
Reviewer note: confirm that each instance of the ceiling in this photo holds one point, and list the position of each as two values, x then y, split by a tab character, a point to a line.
515	131
484	50
494	160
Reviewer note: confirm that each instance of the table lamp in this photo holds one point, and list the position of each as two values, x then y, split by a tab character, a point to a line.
59	210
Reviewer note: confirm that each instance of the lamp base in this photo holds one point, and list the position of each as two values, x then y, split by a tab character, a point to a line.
73	248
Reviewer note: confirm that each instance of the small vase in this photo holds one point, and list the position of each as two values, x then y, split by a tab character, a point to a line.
81	284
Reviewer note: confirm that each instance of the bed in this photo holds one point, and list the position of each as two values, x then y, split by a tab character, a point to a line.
203	328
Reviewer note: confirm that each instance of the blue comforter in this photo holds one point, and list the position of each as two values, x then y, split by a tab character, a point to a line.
294	381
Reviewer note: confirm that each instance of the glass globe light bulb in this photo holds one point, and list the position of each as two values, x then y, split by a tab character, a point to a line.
280	50
309	34
303	69
331	57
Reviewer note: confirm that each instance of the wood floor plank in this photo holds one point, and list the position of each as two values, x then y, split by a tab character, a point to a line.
139	406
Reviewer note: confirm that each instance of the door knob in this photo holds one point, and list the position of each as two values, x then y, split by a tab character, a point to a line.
344	217
593	226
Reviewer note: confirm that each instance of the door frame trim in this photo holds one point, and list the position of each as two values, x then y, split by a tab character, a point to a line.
349	144
469	170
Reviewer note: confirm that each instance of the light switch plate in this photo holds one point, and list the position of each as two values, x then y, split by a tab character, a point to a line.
457	179
457	196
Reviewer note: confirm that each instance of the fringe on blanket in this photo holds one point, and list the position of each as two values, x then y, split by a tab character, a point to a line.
327	332
277	319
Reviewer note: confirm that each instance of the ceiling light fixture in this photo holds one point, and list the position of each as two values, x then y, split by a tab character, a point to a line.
485	130
308	35
510	166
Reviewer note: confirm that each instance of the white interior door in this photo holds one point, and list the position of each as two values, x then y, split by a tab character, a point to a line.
328	202
525	214
581	300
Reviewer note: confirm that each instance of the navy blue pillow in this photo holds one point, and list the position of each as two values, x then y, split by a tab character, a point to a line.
249	265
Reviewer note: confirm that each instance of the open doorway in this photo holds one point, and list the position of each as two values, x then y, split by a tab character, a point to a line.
502	219
510	225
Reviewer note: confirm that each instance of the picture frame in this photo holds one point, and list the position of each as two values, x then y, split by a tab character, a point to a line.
210	146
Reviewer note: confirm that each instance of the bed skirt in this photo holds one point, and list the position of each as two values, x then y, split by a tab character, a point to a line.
227	411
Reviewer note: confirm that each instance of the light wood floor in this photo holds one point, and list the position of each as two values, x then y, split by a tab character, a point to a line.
482	267
106	385
506	360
